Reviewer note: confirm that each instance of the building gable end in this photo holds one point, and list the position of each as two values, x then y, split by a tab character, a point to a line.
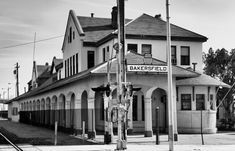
72	18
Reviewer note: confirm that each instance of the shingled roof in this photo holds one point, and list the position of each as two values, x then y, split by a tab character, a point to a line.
95	28
132	58
147	25
202	80
143	27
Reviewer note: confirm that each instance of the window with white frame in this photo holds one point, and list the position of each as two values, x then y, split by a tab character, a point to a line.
90	59
173	55
132	47
185	55
146	49
200	101
185	101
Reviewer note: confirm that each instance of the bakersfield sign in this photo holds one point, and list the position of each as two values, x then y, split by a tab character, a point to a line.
147	68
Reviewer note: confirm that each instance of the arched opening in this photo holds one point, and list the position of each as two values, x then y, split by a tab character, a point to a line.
158	99
138	111
62	117
34	105
54	111
30	111
24	107
84	108
30	106
47	111
27	106
99	111
38	118
72	107
42	112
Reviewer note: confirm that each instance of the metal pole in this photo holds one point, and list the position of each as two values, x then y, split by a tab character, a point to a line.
83	130
201	129
170	90
157	125
56	125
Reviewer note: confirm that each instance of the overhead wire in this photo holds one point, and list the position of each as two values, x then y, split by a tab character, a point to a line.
27	43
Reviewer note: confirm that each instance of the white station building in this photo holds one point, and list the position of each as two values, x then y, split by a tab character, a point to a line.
62	92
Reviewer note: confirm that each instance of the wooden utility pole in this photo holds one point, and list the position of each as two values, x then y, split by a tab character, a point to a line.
121	143
17	79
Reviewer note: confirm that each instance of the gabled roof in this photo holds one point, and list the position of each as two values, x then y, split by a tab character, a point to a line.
145	26
42	70
77	24
56	63
202	80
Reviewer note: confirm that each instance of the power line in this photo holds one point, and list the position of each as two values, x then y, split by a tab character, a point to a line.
22	44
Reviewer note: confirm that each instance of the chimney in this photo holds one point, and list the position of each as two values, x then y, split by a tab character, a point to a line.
158	16
114	17
194	66
92	15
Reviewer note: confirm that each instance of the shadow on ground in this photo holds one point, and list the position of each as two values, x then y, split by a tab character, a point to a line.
69	140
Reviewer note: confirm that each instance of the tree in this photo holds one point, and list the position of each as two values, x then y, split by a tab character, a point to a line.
221	64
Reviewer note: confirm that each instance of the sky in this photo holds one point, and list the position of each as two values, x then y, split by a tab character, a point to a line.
20	19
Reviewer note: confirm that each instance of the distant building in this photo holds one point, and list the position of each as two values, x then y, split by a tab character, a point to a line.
66	94
3	106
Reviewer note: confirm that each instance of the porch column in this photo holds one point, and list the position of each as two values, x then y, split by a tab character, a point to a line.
77	117
175	118
67	113
91	117
148	118
130	117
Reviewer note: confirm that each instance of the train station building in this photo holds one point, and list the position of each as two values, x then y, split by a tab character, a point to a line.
63	91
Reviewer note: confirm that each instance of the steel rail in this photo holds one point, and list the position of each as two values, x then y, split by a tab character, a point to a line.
12	144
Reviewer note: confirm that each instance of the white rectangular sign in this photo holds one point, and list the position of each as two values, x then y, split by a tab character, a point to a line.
147	68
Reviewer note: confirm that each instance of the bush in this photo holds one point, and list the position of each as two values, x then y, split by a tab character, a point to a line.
227	124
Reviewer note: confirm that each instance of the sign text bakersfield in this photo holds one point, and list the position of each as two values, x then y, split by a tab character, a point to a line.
147	68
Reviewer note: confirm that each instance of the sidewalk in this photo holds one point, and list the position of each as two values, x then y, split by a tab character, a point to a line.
223	141
129	148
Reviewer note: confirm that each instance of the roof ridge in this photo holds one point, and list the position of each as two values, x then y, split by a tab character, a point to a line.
94	17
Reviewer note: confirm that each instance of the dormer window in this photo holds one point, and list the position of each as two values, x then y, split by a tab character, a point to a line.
146	49
106	54
132	47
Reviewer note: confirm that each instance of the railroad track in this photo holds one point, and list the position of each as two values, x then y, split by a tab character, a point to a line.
4	138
